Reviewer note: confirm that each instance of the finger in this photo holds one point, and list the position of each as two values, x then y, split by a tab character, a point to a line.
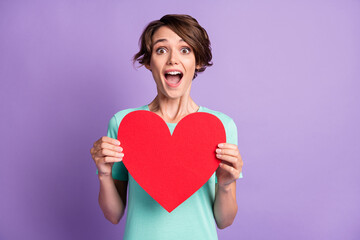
107	140
112	159
230	152
109	153
230	159
230	170
110	140
227	145
109	146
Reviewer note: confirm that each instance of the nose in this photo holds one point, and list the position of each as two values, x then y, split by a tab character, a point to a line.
173	58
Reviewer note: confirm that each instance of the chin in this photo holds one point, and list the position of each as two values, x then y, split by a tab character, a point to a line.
173	95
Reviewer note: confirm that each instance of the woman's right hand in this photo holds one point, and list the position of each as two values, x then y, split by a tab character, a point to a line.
105	152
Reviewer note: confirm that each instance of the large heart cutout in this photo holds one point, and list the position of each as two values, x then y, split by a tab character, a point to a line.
170	168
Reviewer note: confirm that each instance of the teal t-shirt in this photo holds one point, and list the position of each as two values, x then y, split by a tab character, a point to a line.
146	219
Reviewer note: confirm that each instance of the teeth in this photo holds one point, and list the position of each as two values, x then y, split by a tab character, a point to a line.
173	73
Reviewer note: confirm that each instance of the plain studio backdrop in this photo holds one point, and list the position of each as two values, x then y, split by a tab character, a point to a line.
287	72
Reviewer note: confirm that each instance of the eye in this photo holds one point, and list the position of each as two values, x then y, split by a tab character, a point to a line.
160	50
185	50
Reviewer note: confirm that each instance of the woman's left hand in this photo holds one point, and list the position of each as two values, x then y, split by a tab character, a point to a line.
231	164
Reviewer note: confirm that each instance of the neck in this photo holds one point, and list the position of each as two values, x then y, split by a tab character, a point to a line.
173	110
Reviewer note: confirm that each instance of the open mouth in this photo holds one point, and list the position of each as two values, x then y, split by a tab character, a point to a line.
173	78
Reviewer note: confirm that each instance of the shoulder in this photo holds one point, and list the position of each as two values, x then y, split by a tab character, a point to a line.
117	117
228	123
225	119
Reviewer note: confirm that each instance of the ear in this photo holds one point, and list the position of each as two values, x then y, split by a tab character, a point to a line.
198	67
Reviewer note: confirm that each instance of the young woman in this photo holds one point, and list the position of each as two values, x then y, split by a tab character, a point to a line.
174	48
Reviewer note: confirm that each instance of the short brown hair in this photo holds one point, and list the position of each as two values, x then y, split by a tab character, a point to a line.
185	27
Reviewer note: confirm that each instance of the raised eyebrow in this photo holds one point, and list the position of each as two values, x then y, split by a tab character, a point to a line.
160	40
165	40
183	41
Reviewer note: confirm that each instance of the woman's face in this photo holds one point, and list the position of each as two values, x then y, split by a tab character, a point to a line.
172	63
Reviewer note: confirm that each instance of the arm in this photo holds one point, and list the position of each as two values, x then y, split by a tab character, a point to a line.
225	206
112	196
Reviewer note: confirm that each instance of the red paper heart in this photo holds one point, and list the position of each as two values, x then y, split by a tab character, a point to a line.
170	168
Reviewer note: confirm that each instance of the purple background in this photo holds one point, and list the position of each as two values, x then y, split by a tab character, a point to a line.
287	72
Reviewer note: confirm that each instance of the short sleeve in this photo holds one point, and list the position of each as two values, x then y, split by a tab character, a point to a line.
231	132
231	136
119	170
